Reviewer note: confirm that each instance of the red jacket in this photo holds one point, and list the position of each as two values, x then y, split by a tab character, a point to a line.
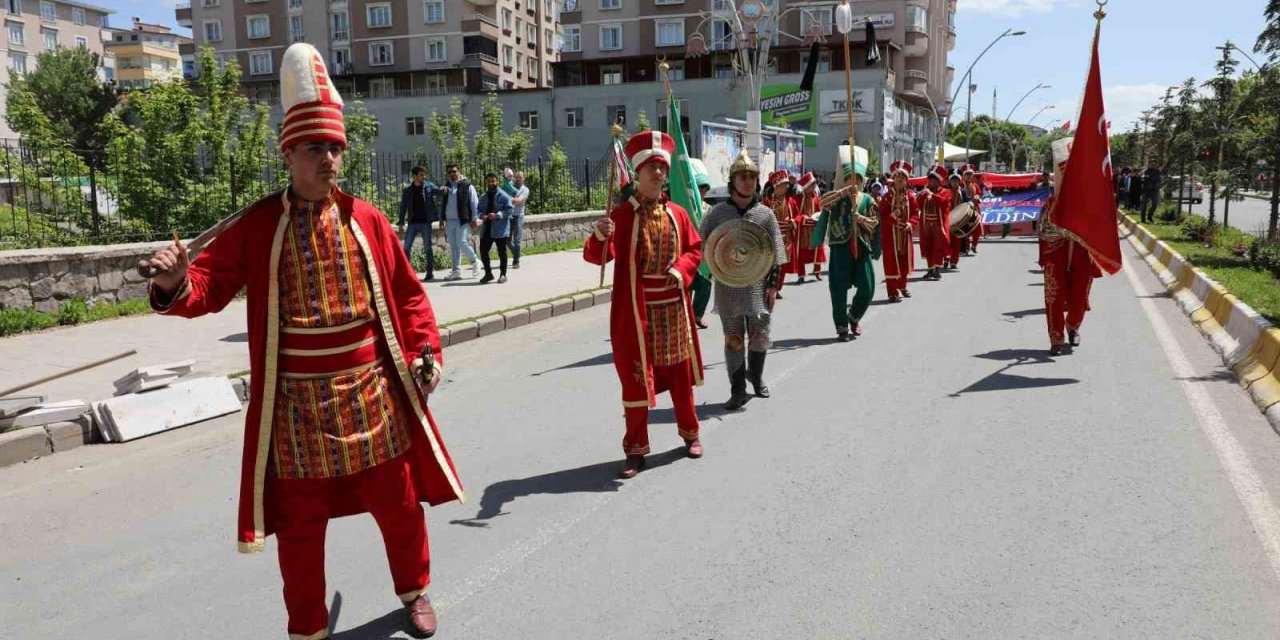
248	255
628	320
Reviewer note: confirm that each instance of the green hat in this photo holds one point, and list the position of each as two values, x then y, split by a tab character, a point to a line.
700	176
846	167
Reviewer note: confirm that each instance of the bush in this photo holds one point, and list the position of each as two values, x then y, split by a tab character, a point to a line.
1199	229
419	259
1265	256
23	320
73	311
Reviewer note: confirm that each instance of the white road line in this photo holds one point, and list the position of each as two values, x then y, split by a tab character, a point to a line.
1249	488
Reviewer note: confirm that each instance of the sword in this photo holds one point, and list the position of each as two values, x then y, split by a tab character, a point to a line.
147	271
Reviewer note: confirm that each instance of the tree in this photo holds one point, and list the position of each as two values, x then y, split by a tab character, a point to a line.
449	133
1224	106
1269	43
1003	138
61	102
642	121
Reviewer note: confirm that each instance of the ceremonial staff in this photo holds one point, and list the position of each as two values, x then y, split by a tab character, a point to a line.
615	133
844	23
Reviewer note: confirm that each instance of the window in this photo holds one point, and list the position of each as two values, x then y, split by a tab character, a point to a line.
77	15
18	62
213	31
724	70
529	120
610	74
82	42
917	18
531	32
110	73
507	54
573	118
668	1
669	33
506	19
548	10
548	38
341	27
15	7
433	10
50	38
295	28
378	15
821	16
295	4
414	126
663	122
259	26
341	60
533	68
435	50
519	27
382	87
572	38
721	36
675	70
720	5
610	4
610	37
212	3
380	54
48	11
259	63
17	35
617	114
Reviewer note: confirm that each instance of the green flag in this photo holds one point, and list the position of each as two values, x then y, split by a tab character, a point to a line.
684	187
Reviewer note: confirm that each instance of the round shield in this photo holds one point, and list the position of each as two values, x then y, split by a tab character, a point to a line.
739	253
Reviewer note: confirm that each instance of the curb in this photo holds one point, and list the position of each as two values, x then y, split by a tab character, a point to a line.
32	443
1248	343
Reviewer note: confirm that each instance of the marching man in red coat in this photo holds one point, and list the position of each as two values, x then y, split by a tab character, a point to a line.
344	349
973	183
806	206
898	208
656	252
935	223
1069	270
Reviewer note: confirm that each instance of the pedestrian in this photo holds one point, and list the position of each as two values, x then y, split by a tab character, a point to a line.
1069	271
701	282
1135	191
898	209
935	223
495	219
973	183
418	200
746	312
1123	184
656	252
1150	192
340	365
805	209
519	198
460	203
848	224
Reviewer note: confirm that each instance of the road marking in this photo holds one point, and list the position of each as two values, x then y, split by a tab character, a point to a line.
1253	494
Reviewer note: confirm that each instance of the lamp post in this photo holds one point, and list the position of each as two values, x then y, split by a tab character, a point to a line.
1024	97
1037	115
751	26
965	80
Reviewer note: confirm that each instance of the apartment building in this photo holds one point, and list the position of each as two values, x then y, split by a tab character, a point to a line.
35	26
145	54
386	49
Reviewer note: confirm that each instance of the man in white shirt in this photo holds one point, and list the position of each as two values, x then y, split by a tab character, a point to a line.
519	196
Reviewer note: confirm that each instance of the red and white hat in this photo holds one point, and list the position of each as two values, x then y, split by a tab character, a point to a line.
968	169
650	146
901	166
940	172
807	180
312	106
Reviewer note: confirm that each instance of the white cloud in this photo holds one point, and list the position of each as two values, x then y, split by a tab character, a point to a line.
1125	103
1013	8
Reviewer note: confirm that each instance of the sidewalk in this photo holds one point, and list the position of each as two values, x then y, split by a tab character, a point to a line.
218	342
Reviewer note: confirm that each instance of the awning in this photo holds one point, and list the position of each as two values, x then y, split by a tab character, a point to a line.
951	152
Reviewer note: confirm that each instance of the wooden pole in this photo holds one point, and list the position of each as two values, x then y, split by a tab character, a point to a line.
615	132
853	148
96	363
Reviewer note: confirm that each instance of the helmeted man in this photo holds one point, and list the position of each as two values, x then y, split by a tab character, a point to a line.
898	210
343	350
746	312
935	222
656	252
805	208
848	223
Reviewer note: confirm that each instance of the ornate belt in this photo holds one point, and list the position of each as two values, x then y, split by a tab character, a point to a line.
328	351
658	289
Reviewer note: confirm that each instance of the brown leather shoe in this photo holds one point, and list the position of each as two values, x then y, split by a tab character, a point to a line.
693	448
631	467
422	617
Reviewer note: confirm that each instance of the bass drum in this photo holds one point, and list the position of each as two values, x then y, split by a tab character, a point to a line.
965	220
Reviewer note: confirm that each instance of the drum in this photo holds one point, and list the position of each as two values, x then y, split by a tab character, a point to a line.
964	220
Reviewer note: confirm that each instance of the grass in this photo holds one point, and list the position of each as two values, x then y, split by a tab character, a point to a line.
74	311
1255	287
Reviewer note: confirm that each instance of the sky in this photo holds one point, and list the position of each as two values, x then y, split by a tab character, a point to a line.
1147	45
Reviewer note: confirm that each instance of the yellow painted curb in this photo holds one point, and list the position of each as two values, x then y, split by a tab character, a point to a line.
1261	360
1185	275
1223	313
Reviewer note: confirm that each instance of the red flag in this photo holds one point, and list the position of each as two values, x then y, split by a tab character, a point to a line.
1086	204
1066	126
621	166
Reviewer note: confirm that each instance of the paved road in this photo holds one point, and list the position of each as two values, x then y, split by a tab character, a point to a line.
1250	215
939	478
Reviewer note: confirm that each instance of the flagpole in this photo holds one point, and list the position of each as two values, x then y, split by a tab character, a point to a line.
844	23
615	133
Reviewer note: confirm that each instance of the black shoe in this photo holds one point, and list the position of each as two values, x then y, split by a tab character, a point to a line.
755	368
1055	350
431	277
487	279
738	396
844	336
1073	337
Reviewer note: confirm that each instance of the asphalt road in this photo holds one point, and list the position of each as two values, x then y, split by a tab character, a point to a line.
1250	215
939	478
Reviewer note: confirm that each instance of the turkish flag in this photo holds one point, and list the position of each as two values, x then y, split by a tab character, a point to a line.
1066	126
1086	203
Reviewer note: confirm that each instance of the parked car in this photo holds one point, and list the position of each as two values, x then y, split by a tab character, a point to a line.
1185	190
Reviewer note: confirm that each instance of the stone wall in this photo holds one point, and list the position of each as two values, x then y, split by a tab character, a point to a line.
44	278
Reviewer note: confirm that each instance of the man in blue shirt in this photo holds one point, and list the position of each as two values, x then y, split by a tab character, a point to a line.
495	216
460	203
519	193
419	201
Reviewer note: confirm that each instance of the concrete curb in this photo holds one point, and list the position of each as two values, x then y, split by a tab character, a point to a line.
1248	343
37	442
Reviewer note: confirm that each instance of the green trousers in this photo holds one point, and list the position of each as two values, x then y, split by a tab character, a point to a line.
846	272
701	294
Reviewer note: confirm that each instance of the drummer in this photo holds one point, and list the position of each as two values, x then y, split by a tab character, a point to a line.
745	312
959	244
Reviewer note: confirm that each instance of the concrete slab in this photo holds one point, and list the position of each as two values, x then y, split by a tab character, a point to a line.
64	436
583	301
13	405
22	445
463	331
138	415
603	296
517	318
540	312
47	413
561	306
490	325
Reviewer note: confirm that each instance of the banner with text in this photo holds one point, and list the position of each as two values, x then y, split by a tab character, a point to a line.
1012	208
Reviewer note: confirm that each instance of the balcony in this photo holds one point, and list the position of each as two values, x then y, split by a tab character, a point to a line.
917	81
917	44
480	61
480	24
533	46
484	3
341	36
183	14
420	92
342	69
531	10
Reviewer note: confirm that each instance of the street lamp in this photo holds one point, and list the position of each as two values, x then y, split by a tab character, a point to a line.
1037	115
1024	97
1230	46
751	26
965	80
939	133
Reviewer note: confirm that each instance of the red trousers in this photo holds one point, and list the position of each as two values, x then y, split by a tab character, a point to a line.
934	244
1068	277
678	379
958	245
300	512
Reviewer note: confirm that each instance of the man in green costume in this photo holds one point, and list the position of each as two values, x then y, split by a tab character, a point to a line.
848	213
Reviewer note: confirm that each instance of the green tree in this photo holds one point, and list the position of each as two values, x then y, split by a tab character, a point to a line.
61	101
642	121
449	133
